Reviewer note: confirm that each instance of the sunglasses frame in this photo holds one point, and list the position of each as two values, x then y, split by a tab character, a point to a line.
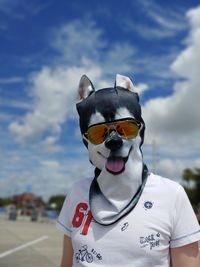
114	128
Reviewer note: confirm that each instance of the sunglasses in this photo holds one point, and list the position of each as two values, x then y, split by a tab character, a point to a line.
127	129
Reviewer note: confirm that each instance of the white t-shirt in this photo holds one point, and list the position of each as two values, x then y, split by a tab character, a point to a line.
162	219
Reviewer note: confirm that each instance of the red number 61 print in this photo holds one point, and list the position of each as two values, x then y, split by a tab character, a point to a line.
80	213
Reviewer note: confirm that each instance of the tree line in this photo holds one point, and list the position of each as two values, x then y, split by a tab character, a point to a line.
191	178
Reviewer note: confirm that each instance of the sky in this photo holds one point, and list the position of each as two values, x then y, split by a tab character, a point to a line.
45	48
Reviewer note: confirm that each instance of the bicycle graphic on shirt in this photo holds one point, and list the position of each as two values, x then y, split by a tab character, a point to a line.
84	255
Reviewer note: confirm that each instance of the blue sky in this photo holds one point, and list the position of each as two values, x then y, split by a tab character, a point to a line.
45	48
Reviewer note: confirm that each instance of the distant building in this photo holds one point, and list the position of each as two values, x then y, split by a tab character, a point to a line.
27	202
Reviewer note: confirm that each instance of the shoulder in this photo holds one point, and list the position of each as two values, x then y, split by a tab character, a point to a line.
82	184
169	192
164	184
79	189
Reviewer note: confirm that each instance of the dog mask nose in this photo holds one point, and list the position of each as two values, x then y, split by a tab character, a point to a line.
113	141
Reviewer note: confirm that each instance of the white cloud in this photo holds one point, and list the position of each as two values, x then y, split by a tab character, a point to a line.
162	22
24	169
36	8
119	58
187	63
54	92
15	103
148	32
50	145
89	47
141	88
77	45
21	9
5	117
170	168
50	164
172	19
45	178
173	121
11	80
197	163
173	168
54	88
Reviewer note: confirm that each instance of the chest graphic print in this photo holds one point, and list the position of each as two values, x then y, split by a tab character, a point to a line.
151	241
82	217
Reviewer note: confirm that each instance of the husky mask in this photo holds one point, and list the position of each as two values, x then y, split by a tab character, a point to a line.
120	174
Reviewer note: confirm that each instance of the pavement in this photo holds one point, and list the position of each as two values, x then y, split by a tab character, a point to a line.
24	243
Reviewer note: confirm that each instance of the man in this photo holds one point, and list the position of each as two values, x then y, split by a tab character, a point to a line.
124	215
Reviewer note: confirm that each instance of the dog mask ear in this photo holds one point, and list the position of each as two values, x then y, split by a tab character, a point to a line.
85	88
125	82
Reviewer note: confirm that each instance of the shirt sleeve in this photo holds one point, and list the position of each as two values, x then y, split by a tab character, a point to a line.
64	222
186	229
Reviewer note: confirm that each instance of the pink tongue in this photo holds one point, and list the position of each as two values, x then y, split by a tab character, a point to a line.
115	164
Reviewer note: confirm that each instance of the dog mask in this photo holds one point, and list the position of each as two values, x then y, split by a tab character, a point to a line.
113	132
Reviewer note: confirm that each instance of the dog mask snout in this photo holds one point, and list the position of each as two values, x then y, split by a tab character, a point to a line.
113	141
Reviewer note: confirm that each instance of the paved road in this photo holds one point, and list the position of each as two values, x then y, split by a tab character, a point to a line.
29	244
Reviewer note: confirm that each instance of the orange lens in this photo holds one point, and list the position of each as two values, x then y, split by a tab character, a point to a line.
128	129
96	134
